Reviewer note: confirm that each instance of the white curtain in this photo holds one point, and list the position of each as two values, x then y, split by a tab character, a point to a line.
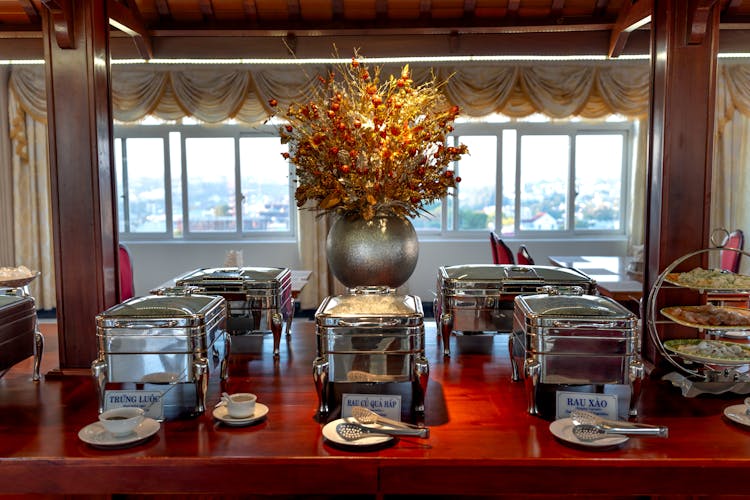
215	93
730	206
7	256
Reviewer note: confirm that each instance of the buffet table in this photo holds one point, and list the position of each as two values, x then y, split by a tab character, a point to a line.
482	440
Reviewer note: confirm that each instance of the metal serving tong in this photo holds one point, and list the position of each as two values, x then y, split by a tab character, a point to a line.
367	416
351	431
590	427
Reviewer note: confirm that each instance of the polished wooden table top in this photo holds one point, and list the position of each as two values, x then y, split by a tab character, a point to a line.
483	442
610	272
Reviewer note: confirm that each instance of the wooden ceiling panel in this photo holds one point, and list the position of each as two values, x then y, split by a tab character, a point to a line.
358	10
317	10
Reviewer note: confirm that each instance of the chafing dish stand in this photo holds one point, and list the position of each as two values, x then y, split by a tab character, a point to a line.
370	346
478	298
19	333
259	298
156	352
571	344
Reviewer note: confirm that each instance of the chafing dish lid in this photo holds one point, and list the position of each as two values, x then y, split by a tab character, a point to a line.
8	300
250	277
497	275
183	310
572	306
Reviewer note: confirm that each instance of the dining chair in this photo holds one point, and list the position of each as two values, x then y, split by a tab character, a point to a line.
730	260
501	253
524	257
127	286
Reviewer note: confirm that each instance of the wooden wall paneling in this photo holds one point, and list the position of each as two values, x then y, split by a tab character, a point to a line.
83	204
681	133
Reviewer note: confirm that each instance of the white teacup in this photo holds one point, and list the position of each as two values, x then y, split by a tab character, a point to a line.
240	404
121	421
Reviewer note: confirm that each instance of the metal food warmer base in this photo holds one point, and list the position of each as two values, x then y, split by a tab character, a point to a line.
575	343
166	344
478	298
371	342
259	299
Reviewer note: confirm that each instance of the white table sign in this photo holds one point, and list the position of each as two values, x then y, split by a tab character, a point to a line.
603	405
150	401
385	405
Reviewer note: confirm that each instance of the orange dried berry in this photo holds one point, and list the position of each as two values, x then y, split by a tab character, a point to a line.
355	63
285	155
289	128
458	179
273	103
345	169
357	123
448	174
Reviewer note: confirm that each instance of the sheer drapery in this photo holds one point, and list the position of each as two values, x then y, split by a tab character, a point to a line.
32	212
215	93
730	184
7	255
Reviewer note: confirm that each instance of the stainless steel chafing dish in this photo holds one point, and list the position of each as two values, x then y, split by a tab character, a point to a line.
168	344
475	298
574	342
259	298
369	342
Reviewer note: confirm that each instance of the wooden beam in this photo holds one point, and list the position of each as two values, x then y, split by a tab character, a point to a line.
207	10
600	8
633	15
337	10
699	12
470	7
425	9
30	9
250	9
162	7
511	11
731	7
127	19
61	18
293	10
381	11
557	8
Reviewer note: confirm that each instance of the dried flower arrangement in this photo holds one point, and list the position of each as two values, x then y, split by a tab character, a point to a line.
365	147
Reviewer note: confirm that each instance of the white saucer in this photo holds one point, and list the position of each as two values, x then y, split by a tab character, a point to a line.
220	413
96	435
737	413
563	429
329	433
736	334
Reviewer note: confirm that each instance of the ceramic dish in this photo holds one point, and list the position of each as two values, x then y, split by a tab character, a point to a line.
374	441
563	430
97	436
685	348
220	413
738	414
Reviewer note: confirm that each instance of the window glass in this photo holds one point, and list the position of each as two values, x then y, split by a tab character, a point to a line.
543	183
120	185
507	222
210	179
175	161
265	184
599	163
145	198
477	189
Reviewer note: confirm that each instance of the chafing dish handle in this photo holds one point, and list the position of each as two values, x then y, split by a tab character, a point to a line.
563	324
392	322
157	324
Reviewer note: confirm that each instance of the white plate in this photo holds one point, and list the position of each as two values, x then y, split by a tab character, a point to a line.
329	432
96	435
738	414
220	413
563	429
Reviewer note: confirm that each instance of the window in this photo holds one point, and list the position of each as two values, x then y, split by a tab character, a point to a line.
532	178
195	182
538	180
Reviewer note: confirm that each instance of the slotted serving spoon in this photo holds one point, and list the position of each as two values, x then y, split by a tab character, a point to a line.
588	432
351	431
367	416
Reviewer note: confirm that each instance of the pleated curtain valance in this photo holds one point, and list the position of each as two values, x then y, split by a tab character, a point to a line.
213	94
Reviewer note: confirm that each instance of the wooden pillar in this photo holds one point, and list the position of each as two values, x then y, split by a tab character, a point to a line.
79	119
684	47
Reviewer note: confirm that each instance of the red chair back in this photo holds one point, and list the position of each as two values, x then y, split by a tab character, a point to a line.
501	253
524	257
127	286
730	260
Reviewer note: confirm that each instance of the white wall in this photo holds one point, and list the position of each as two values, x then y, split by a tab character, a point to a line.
157	262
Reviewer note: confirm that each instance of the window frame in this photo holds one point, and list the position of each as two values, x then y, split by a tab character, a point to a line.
233	131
